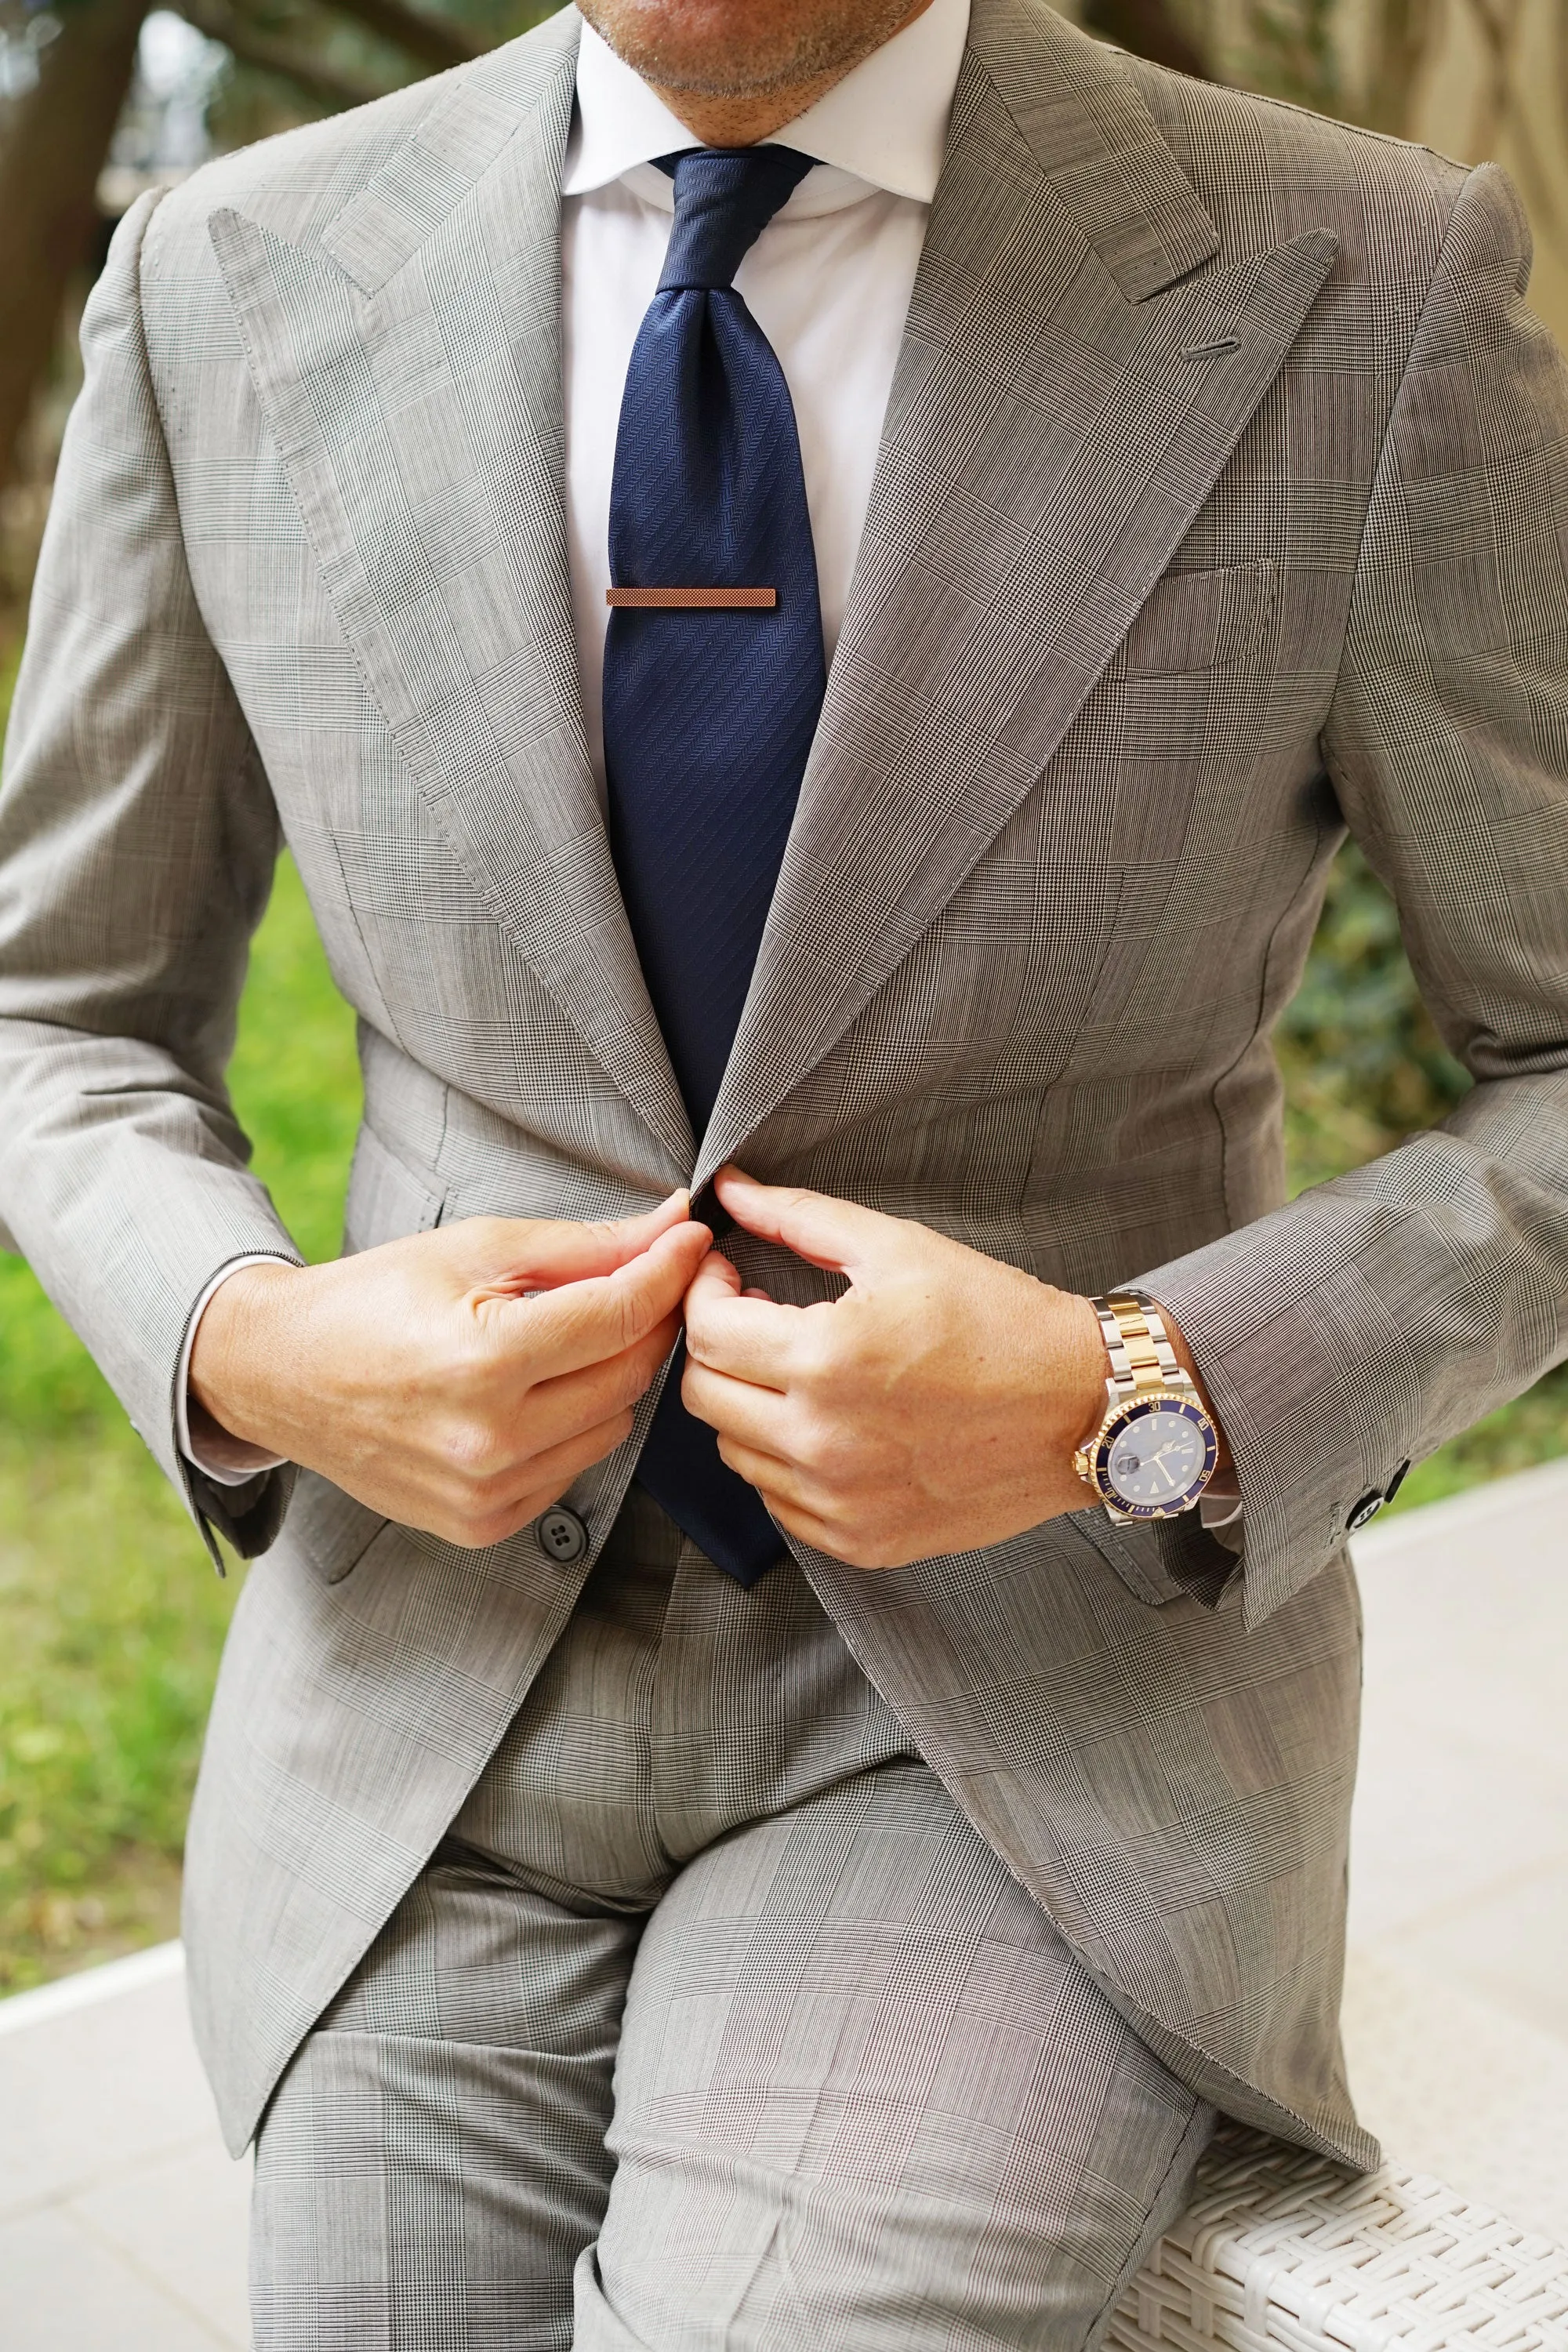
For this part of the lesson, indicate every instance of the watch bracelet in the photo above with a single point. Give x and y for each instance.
(1143, 1364)
(1137, 1343)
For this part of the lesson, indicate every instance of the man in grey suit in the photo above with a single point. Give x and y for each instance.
(604, 1948)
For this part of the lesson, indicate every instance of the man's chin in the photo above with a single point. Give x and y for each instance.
(731, 49)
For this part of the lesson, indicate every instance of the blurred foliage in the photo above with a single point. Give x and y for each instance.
(1364, 1068)
(252, 100)
(110, 1617)
(111, 1622)
(1364, 1065)
(1290, 48)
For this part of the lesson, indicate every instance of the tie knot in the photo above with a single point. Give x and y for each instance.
(724, 198)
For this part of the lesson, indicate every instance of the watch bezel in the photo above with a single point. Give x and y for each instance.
(1167, 1400)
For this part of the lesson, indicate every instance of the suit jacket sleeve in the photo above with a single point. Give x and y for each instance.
(1380, 1314)
(138, 840)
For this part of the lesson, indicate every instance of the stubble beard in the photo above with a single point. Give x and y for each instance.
(744, 52)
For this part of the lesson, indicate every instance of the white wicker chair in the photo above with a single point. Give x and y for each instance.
(1280, 2252)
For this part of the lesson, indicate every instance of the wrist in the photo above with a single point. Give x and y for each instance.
(1065, 1383)
(1083, 1371)
(236, 1341)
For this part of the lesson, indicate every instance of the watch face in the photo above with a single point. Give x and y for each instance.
(1156, 1458)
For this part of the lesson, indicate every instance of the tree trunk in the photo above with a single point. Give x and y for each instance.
(1149, 29)
(1402, 36)
(53, 142)
(436, 42)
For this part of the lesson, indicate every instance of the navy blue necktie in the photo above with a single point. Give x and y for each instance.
(709, 713)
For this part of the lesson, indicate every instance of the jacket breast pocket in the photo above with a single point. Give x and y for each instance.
(1175, 714)
(1193, 621)
(331, 1532)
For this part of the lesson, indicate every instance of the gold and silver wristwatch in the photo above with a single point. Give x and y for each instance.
(1156, 1448)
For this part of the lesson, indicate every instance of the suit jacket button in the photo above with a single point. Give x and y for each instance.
(1367, 1508)
(561, 1535)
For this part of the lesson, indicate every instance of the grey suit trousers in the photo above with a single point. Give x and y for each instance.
(712, 2023)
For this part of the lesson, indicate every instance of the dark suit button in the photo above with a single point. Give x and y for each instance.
(1395, 1482)
(561, 1535)
(1367, 1508)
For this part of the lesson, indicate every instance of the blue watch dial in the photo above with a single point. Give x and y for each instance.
(1157, 1458)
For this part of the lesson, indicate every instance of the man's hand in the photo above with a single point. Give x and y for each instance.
(423, 1378)
(933, 1408)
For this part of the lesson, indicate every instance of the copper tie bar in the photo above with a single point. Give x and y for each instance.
(688, 600)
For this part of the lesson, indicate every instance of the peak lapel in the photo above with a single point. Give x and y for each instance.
(1052, 432)
(408, 366)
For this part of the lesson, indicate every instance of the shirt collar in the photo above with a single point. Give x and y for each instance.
(885, 123)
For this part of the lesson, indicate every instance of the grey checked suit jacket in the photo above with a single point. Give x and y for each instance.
(1223, 500)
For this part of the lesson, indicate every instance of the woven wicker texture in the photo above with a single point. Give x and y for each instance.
(1279, 2252)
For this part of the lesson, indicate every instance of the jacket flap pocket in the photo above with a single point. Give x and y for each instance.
(1162, 1559)
(330, 1530)
(386, 1197)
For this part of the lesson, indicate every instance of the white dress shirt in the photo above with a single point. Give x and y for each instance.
(828, 281)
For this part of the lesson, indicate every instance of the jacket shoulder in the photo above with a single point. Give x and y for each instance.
(1194, 114)
(1265, 168)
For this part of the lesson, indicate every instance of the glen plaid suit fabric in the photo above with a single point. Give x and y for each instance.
(712, 2023)
(1222, 499)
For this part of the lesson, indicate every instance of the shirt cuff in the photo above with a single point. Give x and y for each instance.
(1221, 1498)
(226, 1461)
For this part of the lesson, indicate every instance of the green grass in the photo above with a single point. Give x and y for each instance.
(110, 1618)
